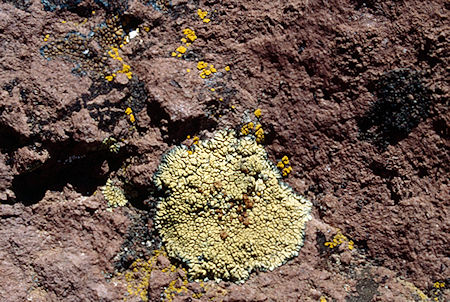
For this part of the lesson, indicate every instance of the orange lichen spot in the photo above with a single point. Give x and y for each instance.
(257, 113)
(128, 111)
(181, 49)
(227, 68)
(132, 119)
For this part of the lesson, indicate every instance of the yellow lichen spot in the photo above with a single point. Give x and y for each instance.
(257, 113)
(213, 89)
(146, 28)
(280, 165)
(217, 176)
(128, 111)
(183, 40)
(250, 125)
(201, 65)
(63, 21)
(233, 107)
(132, 119)
(201, 14)
(188, 44)
(179, 55)
(221, 99)
(125, 68)
(206, 20)
(351, 245)
(195, 140)
(322, 299)
(173, 54)
(202, 75)
(244, 130)
(109, 78)
(181, 49)
(188, 70)
(129, 75)
(227, 68)
(46, 37)
(285, 160)
(93, 12)
(190, 34)
(207, 72)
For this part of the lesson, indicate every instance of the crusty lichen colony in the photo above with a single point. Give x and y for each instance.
(225, 211)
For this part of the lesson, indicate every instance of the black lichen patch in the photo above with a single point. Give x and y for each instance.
(366, 289)
(91, 52)
(20, 4)
(140, 241)
(402, 103)
(159, 5)
(51, 5)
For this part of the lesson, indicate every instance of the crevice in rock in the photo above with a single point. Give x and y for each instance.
(78, 164)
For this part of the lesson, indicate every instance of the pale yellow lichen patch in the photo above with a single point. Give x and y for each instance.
(226, 211)
(114, 195)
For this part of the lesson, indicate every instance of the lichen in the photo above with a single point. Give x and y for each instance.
(114, 195)
(225, 211)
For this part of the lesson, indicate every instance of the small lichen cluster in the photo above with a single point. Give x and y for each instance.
(114, 195)
(226, 212)
(284, 166)
(187, 41)
(254, 128)
(91, 52)
(338, 239)
(138, 278)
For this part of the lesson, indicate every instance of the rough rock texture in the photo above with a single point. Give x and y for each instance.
(353, 92)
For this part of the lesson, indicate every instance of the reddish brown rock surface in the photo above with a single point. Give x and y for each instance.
(353, 92)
